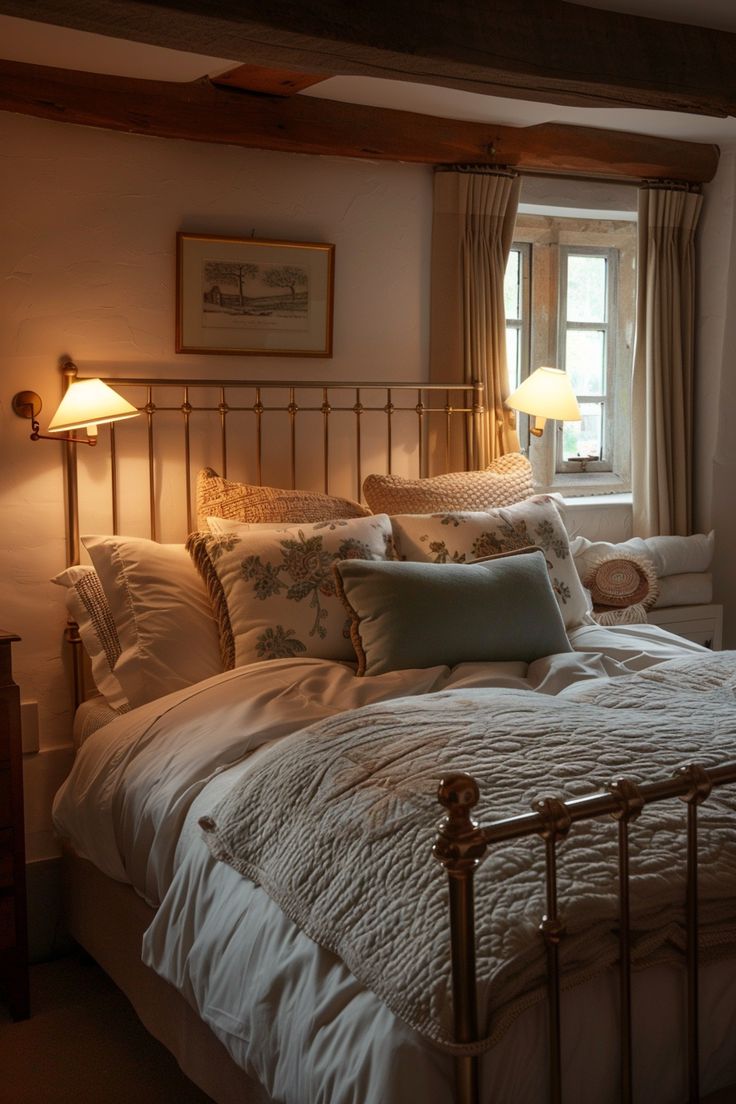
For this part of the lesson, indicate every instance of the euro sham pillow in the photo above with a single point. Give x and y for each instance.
(162, 613)
(409, 615)
(506, 480)
(248, 502)
(88, 607)
(273, 591)
(460, 537)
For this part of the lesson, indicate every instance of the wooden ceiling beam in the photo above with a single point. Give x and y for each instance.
(548, 50)
(201, 112)
(270, 82)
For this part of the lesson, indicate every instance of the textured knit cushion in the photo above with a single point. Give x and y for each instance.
(88, 607)
(162, 614)
(407, 615)
(456, 537)
(619, 581)
(505, 481)
(250, 503)
(273, 591)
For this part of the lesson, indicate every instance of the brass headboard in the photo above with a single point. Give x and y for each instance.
(311, 435)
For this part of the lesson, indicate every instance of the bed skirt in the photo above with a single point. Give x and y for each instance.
(107, 919)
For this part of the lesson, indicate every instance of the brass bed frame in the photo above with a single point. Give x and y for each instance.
(461, 845)
(435, 410)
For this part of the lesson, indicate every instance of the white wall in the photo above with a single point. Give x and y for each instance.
(88, 223)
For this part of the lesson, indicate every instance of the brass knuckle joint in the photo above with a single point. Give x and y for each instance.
(699, 779)
(552, 928)
(555, 817)
(629, 797)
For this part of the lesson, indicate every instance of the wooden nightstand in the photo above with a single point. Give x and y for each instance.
(13, 921)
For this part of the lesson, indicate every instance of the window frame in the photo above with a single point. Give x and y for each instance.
(610, 328)
(546, 233)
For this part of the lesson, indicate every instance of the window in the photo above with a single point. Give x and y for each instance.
(570, 301)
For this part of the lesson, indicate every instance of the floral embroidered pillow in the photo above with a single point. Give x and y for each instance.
(463, 537)
(273, 591)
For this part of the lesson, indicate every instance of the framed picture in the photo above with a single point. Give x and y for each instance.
(251, 297)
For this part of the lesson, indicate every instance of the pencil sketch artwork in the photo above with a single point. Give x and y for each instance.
(254, 296)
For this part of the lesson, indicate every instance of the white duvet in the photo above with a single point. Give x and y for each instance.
(288, 1011)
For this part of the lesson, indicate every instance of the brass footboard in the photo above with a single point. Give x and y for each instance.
(461, 846)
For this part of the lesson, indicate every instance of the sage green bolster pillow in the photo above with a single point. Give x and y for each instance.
(407, 615)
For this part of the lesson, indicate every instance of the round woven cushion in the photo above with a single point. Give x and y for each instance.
(616, 582)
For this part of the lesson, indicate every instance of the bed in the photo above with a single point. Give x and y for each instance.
(268, 989)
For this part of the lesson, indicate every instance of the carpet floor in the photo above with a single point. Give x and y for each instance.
(84, 1045)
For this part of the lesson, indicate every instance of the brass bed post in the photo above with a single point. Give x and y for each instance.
(150, 410)
(699, 790)
(358, 410)
(631, 803)
(460, 847)
(556, 821)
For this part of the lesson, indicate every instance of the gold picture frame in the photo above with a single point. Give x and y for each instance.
(253, 296)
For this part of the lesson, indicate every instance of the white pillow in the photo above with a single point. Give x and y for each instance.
(460, 537)
(274, 590)
(168, 634)
(87, 605)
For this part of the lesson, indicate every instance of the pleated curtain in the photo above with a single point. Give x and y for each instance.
(662, 395)
(472, 232)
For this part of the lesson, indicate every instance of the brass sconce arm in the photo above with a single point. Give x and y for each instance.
(27, 404)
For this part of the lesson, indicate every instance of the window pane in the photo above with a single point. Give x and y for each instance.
(584, 438)
(512, 356)
(586, 288)
(511, 284)
(585, 361)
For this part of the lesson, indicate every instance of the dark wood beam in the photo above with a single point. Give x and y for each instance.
(270, 82)
(201, 112)
(538, 49)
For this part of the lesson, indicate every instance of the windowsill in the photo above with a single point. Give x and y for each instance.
(599, 501)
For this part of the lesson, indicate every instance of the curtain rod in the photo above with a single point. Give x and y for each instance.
(627, 182)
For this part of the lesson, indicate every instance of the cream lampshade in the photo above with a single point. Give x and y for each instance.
(87, 404)
(546, 393)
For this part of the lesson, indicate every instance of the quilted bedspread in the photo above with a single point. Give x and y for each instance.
(338, 820)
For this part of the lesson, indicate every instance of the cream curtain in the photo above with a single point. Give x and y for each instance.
(662, 397)
(472, 232)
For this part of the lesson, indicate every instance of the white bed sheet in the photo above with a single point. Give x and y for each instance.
(288, 1011)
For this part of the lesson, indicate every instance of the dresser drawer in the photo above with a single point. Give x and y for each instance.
(6, 857)
(6, 812)
(7, 921)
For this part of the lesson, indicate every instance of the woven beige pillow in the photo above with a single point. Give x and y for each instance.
(218, 497)
(507, 480)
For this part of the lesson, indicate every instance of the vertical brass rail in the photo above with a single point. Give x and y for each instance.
(631, 803)
(460, 847)
(448, 428)
(358, 409)
(389, 409)
(420, 433)
(258, 410)
(556, 823)
(700, 788)
(326, 409)
(186, 409)
(114, 480)
(223, 409)
(293, 410)
(150, 410)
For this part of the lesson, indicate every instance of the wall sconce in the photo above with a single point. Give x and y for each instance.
(546, 393)
(86, 404)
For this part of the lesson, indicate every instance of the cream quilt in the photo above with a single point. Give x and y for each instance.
(337, 823)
